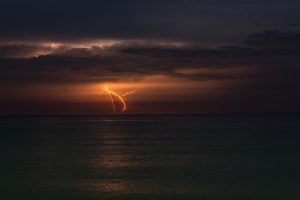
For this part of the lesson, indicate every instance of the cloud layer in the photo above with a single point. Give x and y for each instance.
(262, 53)
(209, 22)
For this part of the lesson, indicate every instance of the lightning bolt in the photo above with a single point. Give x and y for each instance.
(128, 93)
(111, 94)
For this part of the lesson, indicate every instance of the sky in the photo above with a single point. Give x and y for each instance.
(165, 57)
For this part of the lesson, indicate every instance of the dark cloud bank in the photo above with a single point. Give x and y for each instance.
(268, 53)
(202, 22)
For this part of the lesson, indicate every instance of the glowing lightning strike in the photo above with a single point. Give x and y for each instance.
(112, 94)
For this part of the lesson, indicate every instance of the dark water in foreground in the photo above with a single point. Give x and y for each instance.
(204, 157)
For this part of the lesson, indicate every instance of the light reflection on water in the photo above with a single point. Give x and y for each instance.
(115, 187)
(111, 156)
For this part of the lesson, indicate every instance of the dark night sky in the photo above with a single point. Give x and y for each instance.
(192, 56)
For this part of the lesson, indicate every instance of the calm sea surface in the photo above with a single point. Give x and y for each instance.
(178, 157)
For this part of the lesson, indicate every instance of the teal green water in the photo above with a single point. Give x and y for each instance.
(178, 157)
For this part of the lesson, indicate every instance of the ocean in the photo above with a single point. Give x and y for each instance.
(150, 157)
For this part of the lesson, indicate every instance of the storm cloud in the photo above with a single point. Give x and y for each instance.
(208, 22)
(261, 53)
